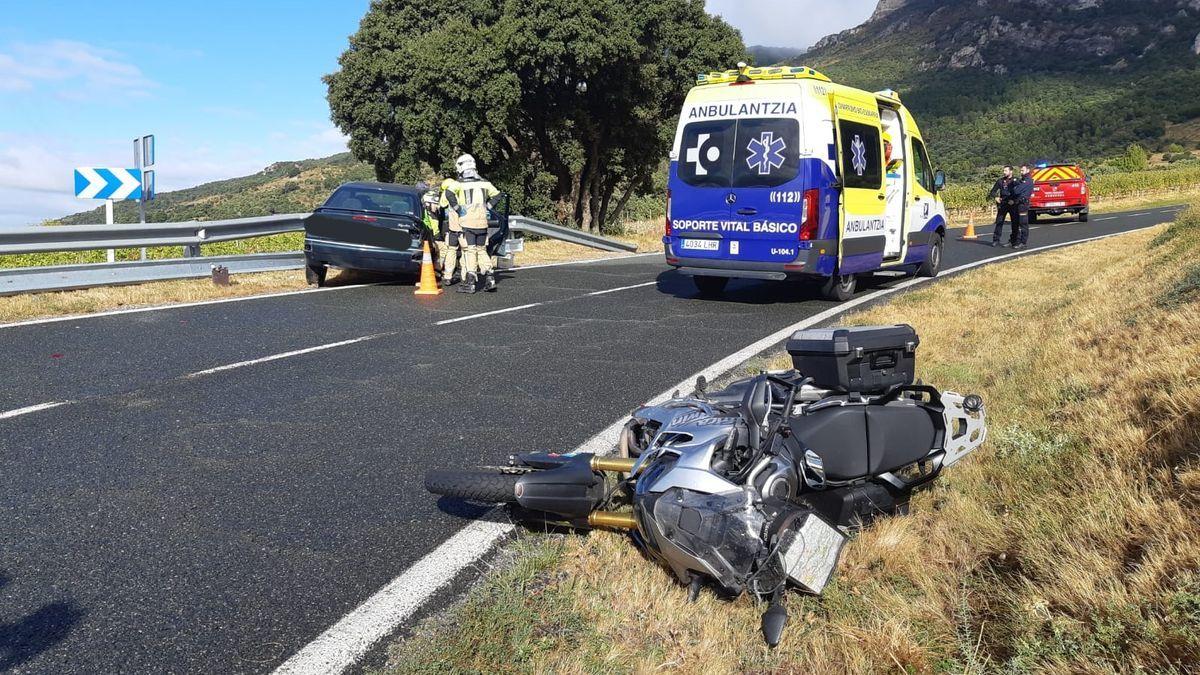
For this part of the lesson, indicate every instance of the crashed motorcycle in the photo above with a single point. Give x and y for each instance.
(754, 487)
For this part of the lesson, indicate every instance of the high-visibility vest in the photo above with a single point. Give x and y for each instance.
(472, 196)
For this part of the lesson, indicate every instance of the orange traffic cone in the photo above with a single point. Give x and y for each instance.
(429, 284)
(970, 233)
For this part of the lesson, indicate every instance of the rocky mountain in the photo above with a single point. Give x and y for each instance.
(1029, 78)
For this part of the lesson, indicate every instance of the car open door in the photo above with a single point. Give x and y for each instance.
(859, 141)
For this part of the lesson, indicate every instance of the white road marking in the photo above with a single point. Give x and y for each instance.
(31, 409)
(284, 355)
(491, 313)
(623, 288)
(347, 641)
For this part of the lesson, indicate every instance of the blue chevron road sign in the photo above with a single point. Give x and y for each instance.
(98, 183)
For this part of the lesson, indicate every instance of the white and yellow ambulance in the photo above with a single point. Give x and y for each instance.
(779, 172)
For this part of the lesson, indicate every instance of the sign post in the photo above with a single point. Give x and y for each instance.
(143, 158)
(110, 254)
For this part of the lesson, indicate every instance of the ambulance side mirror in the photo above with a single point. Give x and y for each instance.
(939, 181)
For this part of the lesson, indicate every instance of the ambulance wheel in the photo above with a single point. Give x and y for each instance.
(1033, 217)
(315, 275)
(840, 287)
(933, 263)
(710, 286)
(1083, 216)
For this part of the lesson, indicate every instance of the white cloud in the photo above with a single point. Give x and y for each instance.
(73, 70)
(790, 23)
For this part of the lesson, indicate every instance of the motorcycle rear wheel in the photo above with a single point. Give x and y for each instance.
(477, 486)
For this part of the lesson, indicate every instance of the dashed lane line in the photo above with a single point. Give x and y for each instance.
(31, 409)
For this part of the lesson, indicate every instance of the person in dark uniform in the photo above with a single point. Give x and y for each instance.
(1022, 192)
(1006, 206)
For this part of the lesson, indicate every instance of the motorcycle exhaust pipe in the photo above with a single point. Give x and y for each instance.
(612, 520)
(618, 464)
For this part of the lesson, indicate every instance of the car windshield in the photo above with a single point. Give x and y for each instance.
(354, 198)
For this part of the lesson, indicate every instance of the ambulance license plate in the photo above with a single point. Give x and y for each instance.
(1056, 203)
(701, 244)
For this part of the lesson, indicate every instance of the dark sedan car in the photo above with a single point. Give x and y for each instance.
(365, 226)
(377, 227)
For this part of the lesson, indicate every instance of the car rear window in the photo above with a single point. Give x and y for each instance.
(761, 152)
(354, 198)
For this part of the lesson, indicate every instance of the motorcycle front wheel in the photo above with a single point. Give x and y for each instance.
(475, 485)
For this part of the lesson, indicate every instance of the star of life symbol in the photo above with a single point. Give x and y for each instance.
(860, 156)
(692, 156)
(766, 153)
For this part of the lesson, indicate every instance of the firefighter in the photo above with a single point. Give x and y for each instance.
(433, 224)
(1006, 207)
(453, 244)
(471, 196)
(1022, 192)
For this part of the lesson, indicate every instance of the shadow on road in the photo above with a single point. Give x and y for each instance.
(754, 292)
(22, 640)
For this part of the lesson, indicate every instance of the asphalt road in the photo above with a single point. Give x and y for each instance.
(167, 516)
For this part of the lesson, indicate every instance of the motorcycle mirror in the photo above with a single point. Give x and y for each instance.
(774, 620)
(759, 403)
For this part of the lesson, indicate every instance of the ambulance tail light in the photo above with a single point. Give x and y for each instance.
(667, 222)
(811, 216)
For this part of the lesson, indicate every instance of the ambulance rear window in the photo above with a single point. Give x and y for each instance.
(745, 153)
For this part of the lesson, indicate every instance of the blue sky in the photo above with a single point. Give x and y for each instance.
(226, 87)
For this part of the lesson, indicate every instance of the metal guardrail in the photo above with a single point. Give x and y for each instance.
(568, 234)
(43, 239)
(69, 277)
(190, 235)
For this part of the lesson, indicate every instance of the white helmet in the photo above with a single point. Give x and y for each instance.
(465, 165)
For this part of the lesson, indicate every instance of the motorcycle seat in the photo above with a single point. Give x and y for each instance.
(858, 440)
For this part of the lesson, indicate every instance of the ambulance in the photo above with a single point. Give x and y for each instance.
(779, 173)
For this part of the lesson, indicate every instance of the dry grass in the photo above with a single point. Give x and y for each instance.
(1069, 543)
(647, 235)
(90, 300)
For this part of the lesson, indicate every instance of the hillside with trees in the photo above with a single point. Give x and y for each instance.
(998, 81)
(570, 105)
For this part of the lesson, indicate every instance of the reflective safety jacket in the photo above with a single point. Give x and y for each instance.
(470, 199)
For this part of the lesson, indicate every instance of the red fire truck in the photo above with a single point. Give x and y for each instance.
(1059, 189)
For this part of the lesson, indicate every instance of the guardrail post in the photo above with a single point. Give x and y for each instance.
(191, 251)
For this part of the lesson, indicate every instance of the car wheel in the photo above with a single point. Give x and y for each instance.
(840, 287)
(710, 286)
(1083, 216)
(315, 274)
(933, 263)
(1033, 217)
